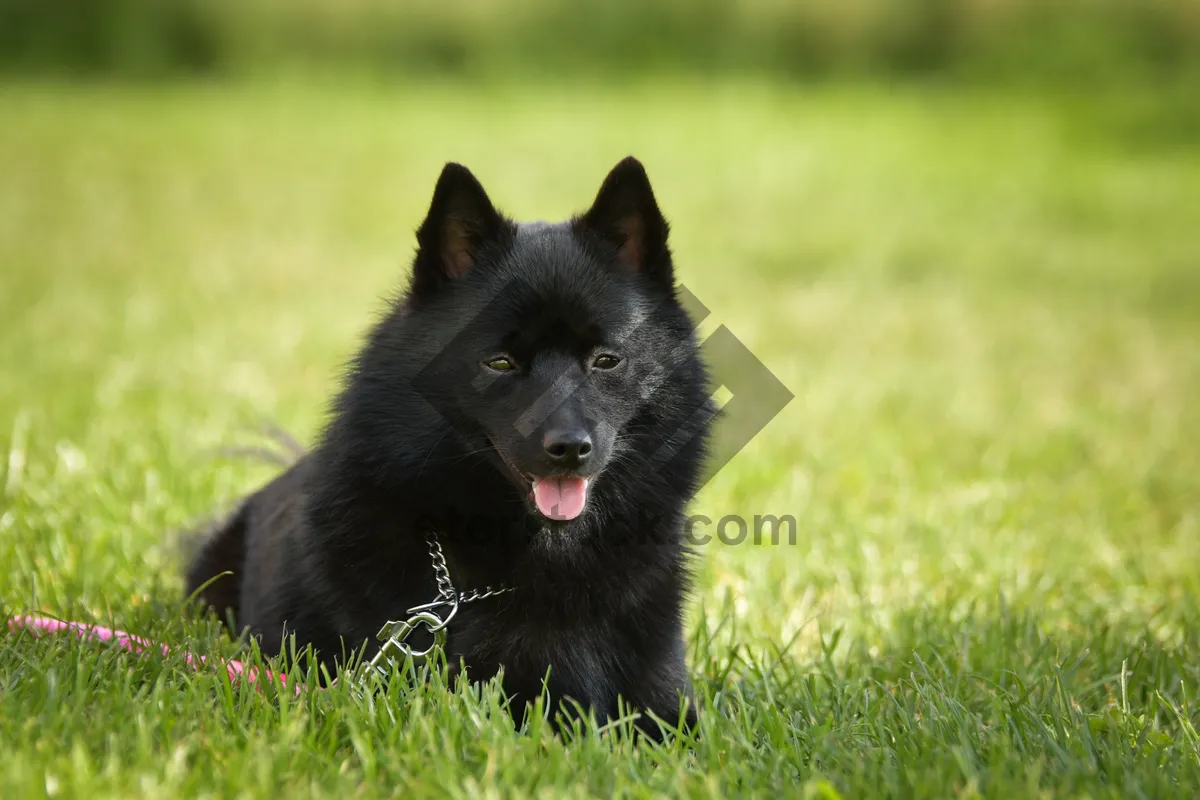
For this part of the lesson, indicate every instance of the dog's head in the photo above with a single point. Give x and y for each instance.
(551, 344)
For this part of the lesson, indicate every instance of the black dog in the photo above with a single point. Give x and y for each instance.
(534, 408)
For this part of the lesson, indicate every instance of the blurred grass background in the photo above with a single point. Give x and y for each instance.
(963, 232)
(1062, 40)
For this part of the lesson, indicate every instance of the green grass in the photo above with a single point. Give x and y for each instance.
(987, 306)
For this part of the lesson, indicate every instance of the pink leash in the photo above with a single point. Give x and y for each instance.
(136, 644)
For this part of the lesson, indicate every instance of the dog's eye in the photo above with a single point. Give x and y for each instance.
(606, 361)
(501, 364)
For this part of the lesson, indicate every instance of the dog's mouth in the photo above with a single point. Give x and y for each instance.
(556, 497)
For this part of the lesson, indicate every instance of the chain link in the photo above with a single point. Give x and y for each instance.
(446, 586)
(394, 634)
(440, 571)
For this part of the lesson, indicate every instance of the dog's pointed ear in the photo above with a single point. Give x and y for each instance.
(460, 221)
(626, 215)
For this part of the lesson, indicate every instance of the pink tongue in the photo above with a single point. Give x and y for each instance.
(560, 498)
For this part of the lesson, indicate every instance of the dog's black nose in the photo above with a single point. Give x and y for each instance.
(568, 448)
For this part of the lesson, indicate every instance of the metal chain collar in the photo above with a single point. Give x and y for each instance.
(394, 634)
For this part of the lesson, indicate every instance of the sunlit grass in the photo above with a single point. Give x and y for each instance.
(986, 307)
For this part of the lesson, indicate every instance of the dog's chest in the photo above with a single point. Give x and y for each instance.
(581, 660)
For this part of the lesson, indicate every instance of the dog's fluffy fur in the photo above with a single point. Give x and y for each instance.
(509, 338)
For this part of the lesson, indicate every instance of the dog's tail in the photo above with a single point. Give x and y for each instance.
(215, 565)
(214, 550)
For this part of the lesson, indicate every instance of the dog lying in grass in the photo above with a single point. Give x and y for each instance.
(517, 439)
